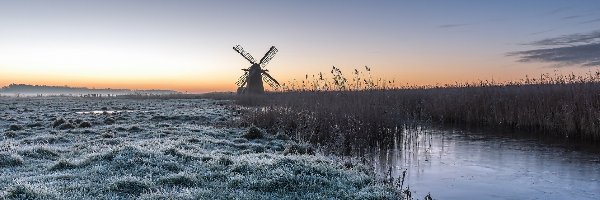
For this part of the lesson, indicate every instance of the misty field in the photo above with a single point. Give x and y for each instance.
(84, 148)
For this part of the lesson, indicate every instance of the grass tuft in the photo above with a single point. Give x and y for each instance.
(26, 191)
(179, 180)
(10, 160)
(85, 124)
(178, 154)
(36, 124)
(225, 161)
(135, 128)
(62, 165)
(58, 122)
(40, 153)
(299, 149)
(282, 136)
(172, 166)
(15, 127)
(130, 186)
(10, 134)
(65, 126)
(109, 121)
(107, 134)
(253, 133)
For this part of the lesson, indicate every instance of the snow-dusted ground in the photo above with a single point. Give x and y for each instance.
(74, 148)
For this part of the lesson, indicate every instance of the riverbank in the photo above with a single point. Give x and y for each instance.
(569, 111)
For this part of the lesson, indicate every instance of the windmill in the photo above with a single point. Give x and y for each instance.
(252, 80)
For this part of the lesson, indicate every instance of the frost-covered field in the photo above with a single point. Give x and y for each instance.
(59, 148)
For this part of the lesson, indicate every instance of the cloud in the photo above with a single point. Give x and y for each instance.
(569, 50)
(573, 39)
(556, 11)
(590, 21)
(452, 25)
(544, 31)
(584, 55)
(572, 17)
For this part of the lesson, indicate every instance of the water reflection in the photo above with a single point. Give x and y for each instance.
(471, 165)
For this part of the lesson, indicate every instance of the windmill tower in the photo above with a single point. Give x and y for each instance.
(251, 82)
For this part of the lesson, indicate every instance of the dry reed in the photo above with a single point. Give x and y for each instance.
(337, 112)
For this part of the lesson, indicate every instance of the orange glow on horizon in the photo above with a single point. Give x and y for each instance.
(221, 82)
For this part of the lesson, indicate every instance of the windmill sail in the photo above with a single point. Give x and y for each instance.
(242, 80)
(268, 56)
(245, 54)
(270, 80)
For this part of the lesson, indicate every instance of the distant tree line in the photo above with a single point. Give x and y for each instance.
(54, 90)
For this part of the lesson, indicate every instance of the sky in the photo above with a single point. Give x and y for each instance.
(187, 45)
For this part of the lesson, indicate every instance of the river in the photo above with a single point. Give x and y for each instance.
(459, 164)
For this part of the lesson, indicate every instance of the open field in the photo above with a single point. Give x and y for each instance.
(77, 148)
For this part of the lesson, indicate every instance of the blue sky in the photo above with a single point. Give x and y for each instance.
(186, 45)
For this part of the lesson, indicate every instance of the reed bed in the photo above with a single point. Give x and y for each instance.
(336, 112)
